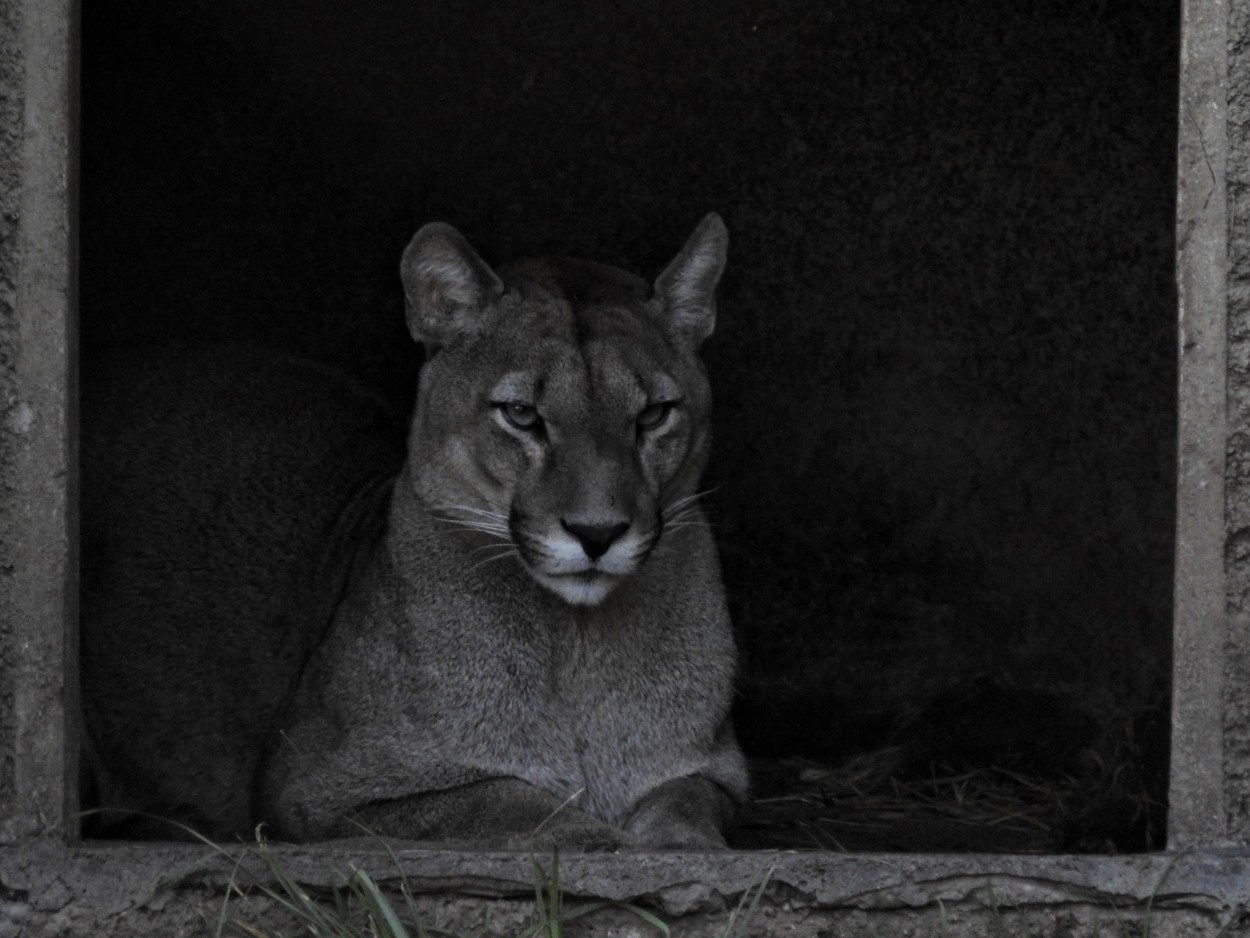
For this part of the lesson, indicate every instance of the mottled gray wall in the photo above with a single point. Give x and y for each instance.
(1196, 813)
(37, 588)
(1237, 476)
(10, 148)
(10, 166)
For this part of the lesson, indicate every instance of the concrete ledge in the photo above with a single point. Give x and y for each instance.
(47, 889)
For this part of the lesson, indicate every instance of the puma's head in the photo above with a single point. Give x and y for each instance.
(563, 408)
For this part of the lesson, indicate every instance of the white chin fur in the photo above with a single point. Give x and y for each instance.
(588, 589)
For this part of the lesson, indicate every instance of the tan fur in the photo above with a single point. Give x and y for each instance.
(519, 638)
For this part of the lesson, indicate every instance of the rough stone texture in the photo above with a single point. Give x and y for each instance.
(1237, 475)
(36, 419)
(1197, 784)
(10, 146)
(179, 890)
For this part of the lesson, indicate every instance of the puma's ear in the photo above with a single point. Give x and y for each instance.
(447, 285)
(687, 288)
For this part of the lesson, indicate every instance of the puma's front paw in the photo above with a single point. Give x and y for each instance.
(685, 813)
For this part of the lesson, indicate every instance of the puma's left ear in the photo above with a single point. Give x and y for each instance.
(687, 287)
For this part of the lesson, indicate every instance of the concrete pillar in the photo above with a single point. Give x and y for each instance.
(1236, 671)
(1196, 802)
(37, 288)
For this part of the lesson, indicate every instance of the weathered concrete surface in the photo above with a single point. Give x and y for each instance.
(1197, 814)
(1236, 709)
(36, 420)
(46, 890)
(10, 145)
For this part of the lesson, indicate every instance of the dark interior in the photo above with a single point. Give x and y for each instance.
(944, 364)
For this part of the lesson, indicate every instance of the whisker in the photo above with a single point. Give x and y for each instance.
(495, 535)
(496, 549)
(683, 503)
(499, 556)
(687, 516)
(476, 526)
(490, 527)
(674, 525)
(452, 519)
(473, 511)
(683, 513)
(679, 506)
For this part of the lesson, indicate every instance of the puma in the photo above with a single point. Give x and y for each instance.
(512, 632)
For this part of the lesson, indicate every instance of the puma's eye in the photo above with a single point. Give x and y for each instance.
(521, 416)
(654, 414)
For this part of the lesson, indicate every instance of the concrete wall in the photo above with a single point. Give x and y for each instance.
(10, 144)
(48, 888)
(1196, 813)
(1237, 474)
(37, 587)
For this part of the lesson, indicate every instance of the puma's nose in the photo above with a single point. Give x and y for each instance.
(595, 538)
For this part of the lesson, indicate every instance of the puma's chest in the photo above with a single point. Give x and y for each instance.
(605, 709)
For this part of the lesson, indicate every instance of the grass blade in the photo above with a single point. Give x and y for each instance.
(377, 906)
(740, 921)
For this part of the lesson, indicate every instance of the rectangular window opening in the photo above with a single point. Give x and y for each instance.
(943, 473)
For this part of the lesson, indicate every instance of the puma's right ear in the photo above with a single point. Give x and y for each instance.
(446, 284)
